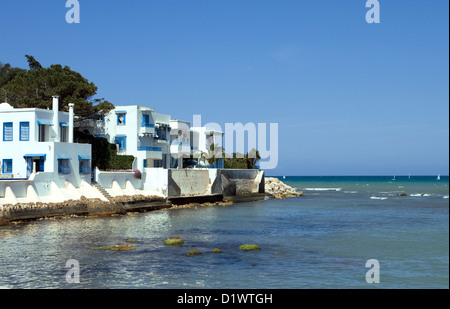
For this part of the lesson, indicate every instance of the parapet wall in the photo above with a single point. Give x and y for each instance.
(156, 182)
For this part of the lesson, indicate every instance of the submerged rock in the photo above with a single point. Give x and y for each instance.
(122, 247)
(193, 252)
(132, 240)
(217, 251)
(102, 248)
(249, 247)
(118, 247)
(174, 241)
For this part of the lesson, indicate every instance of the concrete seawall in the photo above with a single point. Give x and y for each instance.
(122, 192)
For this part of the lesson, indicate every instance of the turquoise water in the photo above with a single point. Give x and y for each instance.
(321, 240)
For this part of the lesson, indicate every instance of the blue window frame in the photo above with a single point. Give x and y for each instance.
(7, 167)
(146, 121)
(122, 142)
(64, 166)
(24, 131)
(121, 119)
(85, 166)
(7, 131)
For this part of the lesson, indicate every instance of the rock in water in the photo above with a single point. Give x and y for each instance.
(193, 252)
(122, 247)
(174, 241)
(248, 247)
(131, 240)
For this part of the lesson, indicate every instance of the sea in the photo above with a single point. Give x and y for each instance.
(371, 232)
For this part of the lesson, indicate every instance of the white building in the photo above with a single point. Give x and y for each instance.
(39, 140)
(137, 131)
(180, 142)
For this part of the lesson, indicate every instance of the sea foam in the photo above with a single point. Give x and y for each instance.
(322, 189)
(378, 198)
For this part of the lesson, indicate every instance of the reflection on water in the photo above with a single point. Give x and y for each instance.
(307, 242)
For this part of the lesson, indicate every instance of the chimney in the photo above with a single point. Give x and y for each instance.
(71, 115)
(56, 117)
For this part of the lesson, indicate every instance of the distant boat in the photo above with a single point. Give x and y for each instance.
(439, 177)
(393, 178)
(284, 177)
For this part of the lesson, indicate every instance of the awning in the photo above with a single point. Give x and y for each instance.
(63, 157)
(35, 155)
(84, 157)
(45, 123)
(63, 124)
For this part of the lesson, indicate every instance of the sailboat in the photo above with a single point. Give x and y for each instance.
(439, 177)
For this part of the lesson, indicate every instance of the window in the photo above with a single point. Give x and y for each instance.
(85, 166)
(63, 134)
(146, 121)
(63, 166)
(122, 142)
(157, 163)
(145, 163)
(41, 133)
(7, 131)
(24, 131)
(162, 133)
(7, 166)
(121, 119)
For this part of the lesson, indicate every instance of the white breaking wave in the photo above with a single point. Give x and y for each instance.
(420, 194)
(445, 196)
(352, 192)
(322, 189)
(378, 198)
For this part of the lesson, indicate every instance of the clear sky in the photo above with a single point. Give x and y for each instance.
(350, 98)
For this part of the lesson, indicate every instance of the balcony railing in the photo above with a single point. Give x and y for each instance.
(147, 148)
(148, 125)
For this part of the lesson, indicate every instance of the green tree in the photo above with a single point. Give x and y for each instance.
(7, 73)
(36, 87)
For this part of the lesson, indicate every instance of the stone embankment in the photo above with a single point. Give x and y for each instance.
(82, 207)
(279, 189)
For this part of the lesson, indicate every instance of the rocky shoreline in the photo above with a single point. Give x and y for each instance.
(121, 205)
(279, 189)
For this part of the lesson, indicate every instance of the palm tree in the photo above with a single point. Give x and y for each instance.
(213, 154)
(252, 158)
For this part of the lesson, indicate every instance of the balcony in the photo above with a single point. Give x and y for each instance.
(150, 129)
(151, 152)
(148, 148)
(180, 148)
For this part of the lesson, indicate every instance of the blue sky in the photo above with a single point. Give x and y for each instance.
(350, 98)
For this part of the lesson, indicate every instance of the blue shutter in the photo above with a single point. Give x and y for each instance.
(24, 131)
(7, 131)
(7, 166)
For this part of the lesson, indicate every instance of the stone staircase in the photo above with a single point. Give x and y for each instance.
(102, 190)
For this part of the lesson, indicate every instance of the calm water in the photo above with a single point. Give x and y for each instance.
(321, 240)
